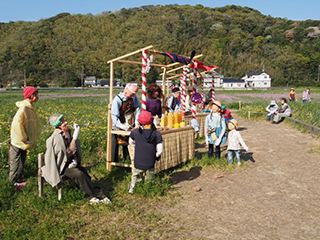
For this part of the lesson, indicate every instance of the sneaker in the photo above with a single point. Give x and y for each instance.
(94, 200)
(274, 122)
(131, 189)
(19, 185)
(105, 200)
(239, 163)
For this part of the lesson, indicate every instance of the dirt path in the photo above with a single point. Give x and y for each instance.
(276, 197)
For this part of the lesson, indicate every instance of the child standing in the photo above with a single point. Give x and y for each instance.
(25, 130)
(148, 148)
(234, 141)
(215, 128)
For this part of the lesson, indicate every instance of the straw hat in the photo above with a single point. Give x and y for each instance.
(217, 103)
(234, 123)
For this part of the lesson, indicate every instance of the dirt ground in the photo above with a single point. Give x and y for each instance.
(276, 197)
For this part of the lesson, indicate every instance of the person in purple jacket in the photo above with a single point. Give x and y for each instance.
(153, 102)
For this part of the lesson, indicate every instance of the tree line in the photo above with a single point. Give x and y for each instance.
(58, 50)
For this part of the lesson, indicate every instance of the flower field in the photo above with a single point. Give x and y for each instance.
(91, 111)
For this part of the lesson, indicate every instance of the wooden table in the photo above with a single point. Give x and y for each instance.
(178, 147)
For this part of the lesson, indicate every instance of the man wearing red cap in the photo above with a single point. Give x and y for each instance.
(25, 130)
(148, 148)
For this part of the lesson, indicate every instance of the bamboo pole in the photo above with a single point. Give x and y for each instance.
(140, 63)
(173, 77)
(109, 141)
(163, 89)
(129, 54)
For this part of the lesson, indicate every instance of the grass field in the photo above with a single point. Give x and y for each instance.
(25, 216)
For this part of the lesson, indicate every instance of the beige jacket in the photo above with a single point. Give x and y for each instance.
(25, 127)
(56, 157)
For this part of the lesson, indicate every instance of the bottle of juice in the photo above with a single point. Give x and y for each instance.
(163, 120)
(180, 117)
(175, 117)
(170, 120)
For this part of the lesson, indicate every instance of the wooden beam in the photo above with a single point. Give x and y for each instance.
(173, 64)
(140, 63)
(129, 54)
(109, 135)
(175, 69)
(198, 56)
(171, 74)
(173, 77)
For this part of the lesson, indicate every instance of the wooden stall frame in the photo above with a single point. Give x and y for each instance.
(121, 60)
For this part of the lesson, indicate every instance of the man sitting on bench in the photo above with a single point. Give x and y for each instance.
(63, 158)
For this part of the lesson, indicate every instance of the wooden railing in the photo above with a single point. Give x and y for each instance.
(311, 128)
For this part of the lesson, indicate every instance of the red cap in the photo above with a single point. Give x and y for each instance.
(145, 118)
(28, 91)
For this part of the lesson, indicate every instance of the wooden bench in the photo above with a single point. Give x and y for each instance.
(40, 178)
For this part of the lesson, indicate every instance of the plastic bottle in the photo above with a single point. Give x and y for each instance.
(170, 120)
(163, 122)
(175, 117)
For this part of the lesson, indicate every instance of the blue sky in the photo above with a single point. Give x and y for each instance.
(34, 10)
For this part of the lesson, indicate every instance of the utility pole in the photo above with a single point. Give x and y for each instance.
(11, 78)
(25, 77)
(82, 73)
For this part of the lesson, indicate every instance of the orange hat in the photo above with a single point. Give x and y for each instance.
(145, 118)
(28, 91)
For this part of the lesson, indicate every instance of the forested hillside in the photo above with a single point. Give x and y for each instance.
(237, 39)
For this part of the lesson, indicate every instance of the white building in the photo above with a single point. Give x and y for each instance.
(231, 83)
(207, 81)
(159, 82)
(257, 80)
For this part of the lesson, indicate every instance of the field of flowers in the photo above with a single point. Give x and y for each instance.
(91, 111)
(72, 217)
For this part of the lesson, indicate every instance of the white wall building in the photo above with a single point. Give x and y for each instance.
(231, 83)
(159, 82)
(257, 80)
(207, 81)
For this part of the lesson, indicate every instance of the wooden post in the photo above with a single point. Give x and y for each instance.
(40, 179)
(249, 115)
(239, 105)
(109, 141)
(164, 89)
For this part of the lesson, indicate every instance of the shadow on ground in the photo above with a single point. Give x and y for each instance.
(181, 176)
(247, 156)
